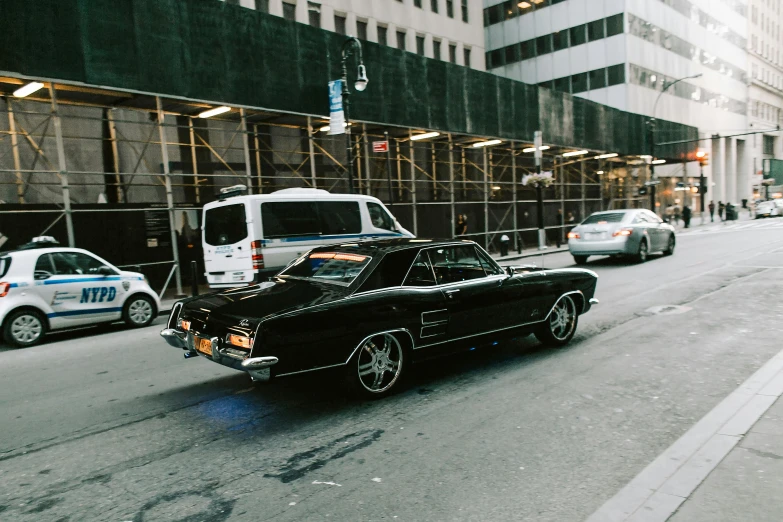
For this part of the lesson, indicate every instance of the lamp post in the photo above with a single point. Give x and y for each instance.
(351, 44)
(651, 131)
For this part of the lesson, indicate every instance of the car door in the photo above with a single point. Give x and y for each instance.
(474, 299)
(81, 294)
(429, 300)
(657, 231)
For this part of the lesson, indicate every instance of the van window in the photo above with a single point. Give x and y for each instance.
(379, 217)
(289, 218)
(340, 217)
(225, 225)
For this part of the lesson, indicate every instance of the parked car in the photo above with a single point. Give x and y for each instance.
(373, 308)
(44, 288)
(633, 232)
(248, 238)
(769, 208)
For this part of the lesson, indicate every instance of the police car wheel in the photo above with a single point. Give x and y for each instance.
(139, 311)
(24, 328)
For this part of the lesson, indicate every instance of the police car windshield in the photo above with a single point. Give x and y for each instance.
(328, 267)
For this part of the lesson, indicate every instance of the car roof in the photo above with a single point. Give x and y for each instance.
(390, 245)
(35, 252)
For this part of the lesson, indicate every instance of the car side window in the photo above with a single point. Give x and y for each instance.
(652, 218)
(379, 217)
(43, 267)
(421, 273)
(639, 219)
(456, 264)
(75, 263)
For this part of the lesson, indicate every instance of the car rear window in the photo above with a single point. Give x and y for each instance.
(609, 217)
(5, 264)
(340, 268)
(225, 225)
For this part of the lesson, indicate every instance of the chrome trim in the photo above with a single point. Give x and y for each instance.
(593, 301)
(310, 370)
(413, 344)
(562, 296)
(175, 338)
(256, 363)
(423, 322)
(175, 312)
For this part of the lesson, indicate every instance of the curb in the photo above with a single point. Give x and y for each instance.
(531, 254)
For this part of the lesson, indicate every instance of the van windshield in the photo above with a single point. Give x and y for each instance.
(225, 225)
(340, 268)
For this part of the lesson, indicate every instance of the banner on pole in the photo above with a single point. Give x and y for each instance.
(380, 146)
(336, 114)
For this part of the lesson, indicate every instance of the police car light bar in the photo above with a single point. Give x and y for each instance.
(232, 191)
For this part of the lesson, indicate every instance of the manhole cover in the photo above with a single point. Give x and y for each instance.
(667, 310)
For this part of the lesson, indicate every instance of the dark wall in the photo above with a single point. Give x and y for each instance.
(209, 50)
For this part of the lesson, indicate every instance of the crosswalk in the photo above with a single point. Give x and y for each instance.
(733, 226)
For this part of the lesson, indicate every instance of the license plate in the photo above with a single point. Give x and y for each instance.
(204, 346)
(595, 235)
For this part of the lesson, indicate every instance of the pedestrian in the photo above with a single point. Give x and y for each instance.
(712, 211)
(560, 224)
(721, 208)
(461, 228)
(686, 216)
(676, 214)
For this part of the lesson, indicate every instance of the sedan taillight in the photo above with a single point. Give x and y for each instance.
(258, 257)
(4, 288)
(623, 232)
(573, 235)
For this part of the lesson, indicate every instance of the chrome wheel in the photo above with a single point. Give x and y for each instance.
(643, 251)
(140, 312)
(26, 329)
(379, 363)
(562, 320)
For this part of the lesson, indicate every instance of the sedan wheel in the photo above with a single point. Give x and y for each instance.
(24, 328)
(560, 327)
(641, 256)
(379, 365)
(670, 247)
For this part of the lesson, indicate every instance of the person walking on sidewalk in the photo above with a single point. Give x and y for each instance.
(721, 208)
(711, 206)
(559, 231)
(686, 216)
(461, 228)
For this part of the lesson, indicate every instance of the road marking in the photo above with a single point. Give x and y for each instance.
(659, 490)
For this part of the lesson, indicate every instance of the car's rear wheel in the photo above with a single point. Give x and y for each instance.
(139, 311)
(580, 260)
(669, 246)
(378, 365)
(644, 251)
(560, 326)
(24, 328)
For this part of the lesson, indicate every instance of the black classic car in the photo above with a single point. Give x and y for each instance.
(375, 307)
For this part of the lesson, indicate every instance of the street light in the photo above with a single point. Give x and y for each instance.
(651, 122)
(351, 44)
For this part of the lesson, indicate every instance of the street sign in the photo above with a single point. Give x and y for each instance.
(336, 113)
(380, 146)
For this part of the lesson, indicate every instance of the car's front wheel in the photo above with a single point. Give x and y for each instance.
(139, 311)
(643, 252)
(24, 328)
(560, 326)
(580, 260)
(669, 246)
(378, 365)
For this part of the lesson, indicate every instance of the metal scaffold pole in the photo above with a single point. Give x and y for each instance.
(246, 147)
(164, 151)
(514, 196)
(486, 199)
(413, 186)
(311, 150)
(58, 134)
(451, 184)
(15, 151)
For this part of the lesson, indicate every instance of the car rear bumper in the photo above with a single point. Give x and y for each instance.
(580, 247)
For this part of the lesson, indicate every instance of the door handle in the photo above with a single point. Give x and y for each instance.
(450, 293)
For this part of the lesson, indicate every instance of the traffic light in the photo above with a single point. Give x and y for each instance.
(703, 158)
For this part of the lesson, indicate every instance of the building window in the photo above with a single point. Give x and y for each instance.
(466, 56)
(595, 30)
(450, 8)
(420, 45)
(434, 5)
(528, 49)
(314, 14)
(417, 3)
(563, 84)
(465, 17)
(361, 29)
(614, 25)
(579, 83)
(289, 11)
(560, 39)
(339, 24)
(597, 79)
(496, 59)
(401, 40)
(262, 5)
(769, 145)
(616, 74)
(512, 54)
(232, 2)
(452, 53)
(544, 44)
(383, 33)
(436, 49)
(578, 35)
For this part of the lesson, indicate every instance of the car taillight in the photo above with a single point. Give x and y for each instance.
(4, 288)
(573, 235)
(240, 340)
(258, 257)
(185, 325)
(623, 232)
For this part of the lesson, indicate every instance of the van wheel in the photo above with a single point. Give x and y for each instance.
(139, 311)
(24, 328)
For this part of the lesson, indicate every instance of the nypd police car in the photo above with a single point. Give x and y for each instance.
(44, 288)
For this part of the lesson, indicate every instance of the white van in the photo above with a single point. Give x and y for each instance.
(249, 237)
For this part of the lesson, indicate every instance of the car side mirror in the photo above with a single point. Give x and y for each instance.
(105, 271)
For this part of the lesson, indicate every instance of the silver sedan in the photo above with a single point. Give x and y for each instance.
(632, 232)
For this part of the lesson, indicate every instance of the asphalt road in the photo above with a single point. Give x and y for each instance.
(115, 425)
